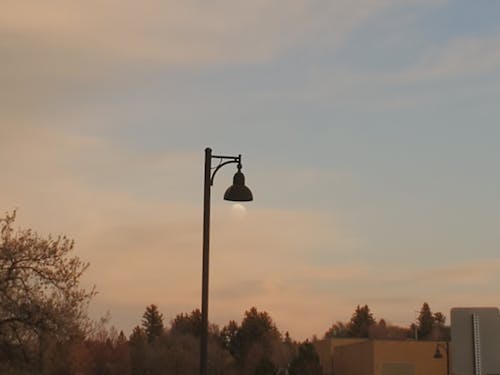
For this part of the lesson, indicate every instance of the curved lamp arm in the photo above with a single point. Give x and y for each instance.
(230, 160)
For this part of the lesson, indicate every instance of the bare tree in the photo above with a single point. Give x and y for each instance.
(41, 300)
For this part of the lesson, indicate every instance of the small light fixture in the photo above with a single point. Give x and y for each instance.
(238, 191)
(437, 354)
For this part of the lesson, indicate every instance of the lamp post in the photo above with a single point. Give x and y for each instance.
(237, 192)
(438, 355)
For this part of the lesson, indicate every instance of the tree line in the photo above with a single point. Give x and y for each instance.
(255, 346)
(428, 326)
(45, 328)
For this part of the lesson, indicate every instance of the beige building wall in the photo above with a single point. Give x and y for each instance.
(326, 348)
(407, 357)
(386, 357)
(354, 359)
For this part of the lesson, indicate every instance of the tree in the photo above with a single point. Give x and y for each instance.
(41, 299)
(361, 322)
(152, 322)
(441, 330)
(431, 326)
(439, 319)
(229, 338)
(253, 343)
(306, 362)
(266, 367)
(425, 322)
(338, 329)
(384, 330)
(257, 328)
(138, 349)
(187, 324)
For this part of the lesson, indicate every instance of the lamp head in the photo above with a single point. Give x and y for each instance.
(238, 191)
(437, 354)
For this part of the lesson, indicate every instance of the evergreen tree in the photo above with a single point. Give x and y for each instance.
(187, 324)
(138, 351)
(256, 328)
(253, 343)
(361, 322)
(229, 338)
(152, 322)
(266, 367)
(425, 322)
(306, 362)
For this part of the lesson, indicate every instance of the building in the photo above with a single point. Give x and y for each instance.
(475, 332)
(388, 357)
(326, 349)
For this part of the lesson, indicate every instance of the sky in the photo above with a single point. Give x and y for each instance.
(369, 132)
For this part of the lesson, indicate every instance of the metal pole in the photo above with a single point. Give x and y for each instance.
(206, 253)
(447, 358)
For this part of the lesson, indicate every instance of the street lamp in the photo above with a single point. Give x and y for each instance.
(237, 192)
(438, 355)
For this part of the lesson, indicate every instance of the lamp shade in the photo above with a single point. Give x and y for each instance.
(238, 192)
(437, 354)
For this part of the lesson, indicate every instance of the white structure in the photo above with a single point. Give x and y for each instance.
(475, 341)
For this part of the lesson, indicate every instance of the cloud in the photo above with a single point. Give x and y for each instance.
(454, 275)
(144, 240)
(136, 216)
(58, 43)
(442, 286)
(460, 57)
(179, 32)
(158, 260)
(55, 52)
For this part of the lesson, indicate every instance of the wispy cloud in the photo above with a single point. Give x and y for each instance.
(135, 213)
(181, 32)
(144, 246)
(461, 57)
(53, 48)
(59, 43)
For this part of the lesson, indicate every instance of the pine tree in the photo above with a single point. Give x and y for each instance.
(361, 321)
(306, 362)
(425, 322)
(187, 324)
(152, 321)
(257, 328)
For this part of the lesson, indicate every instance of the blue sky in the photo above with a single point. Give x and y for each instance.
(369, 133)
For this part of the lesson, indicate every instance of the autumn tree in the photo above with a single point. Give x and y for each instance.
(152, 322)
(361, 321)
(42, 302)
